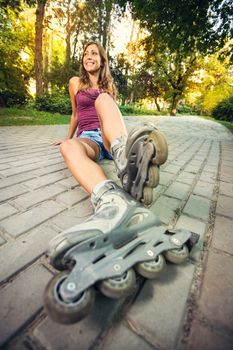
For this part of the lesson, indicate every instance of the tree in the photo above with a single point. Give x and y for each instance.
(212, 84)
(202, 26)
(179, 33)
(16, 53)
(40, 10)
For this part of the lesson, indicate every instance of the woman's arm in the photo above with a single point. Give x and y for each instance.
(73, 88)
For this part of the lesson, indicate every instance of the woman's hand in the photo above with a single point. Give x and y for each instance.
(57, 142)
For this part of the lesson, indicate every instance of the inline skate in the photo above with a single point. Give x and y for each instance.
(137, 159)
(120, 239)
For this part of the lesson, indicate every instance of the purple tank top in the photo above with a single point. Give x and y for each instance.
(86, 112)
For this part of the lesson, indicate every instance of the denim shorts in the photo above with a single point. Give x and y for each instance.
(95, 135)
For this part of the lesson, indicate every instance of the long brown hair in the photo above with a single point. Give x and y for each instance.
(105, 80)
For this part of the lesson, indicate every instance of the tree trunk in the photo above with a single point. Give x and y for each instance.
(68, 34)
(156, 103)
(38, 46)
(175, 101)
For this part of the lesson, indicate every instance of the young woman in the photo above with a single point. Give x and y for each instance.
(102, 133)
(118, 218)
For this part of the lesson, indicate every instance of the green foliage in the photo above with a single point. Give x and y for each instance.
(16, 51)
(186, 109)
(199, 26)
(224, 110)
(135, 110)
(61, 73)
(12, 98)
(213, 97)
(55, 102)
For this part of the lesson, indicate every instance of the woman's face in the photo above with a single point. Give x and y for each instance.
(91, 59)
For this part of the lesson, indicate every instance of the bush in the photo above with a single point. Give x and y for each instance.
(134, 109)
(186, 109)
(224, 110)
(12, 98)
(55, 102)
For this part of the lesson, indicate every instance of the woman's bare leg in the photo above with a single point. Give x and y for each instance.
(80, 157)
(112, 123)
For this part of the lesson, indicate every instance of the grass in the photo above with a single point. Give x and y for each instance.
(30, 116)
(228, 125)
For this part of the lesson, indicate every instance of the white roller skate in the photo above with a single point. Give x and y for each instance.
(137, 159)
(121, 238)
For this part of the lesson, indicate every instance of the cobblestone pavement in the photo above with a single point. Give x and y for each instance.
(189, 307)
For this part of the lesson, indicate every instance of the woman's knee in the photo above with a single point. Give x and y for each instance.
(103, 98)
(67, 147)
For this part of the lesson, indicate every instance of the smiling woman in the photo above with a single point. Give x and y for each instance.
(100, 132)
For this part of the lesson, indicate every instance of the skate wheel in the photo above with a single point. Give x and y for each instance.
(118, 287)
(177, 256)
(153, 176)
(161, 147)
(66, 312)
(147, 195)
(151, 269)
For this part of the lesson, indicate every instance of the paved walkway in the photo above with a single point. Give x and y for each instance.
(189, 307)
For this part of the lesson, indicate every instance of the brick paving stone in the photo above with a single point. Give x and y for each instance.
(193, 169)
(172, 168)
(11, 192)
(2, 241)
(6, 210)
(226, 174)
(158, 312)
(225, 169)
(19, 253)
(121, 337)
(157, 191)
(198, 207)
(177, 190)
(208, 177)
(13, 180)
(204, 189)
(81, 335)
(45, 180)
(50, 169)
(4, 166)
(165, 178)
(18, 224)
(225, 206)
(165, 208)
(191, 224)
(68, 183)
(203, 337)
(19, 170)
(42, 194)
(73, 216)
(223, 234)
(226, 188)
(72, 197)
(186, 178)
(216, 299)
(21, 300)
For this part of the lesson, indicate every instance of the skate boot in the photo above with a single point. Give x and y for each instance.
(121, 238)
(137, 159)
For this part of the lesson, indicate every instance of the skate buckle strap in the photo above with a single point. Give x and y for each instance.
(96, 195)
